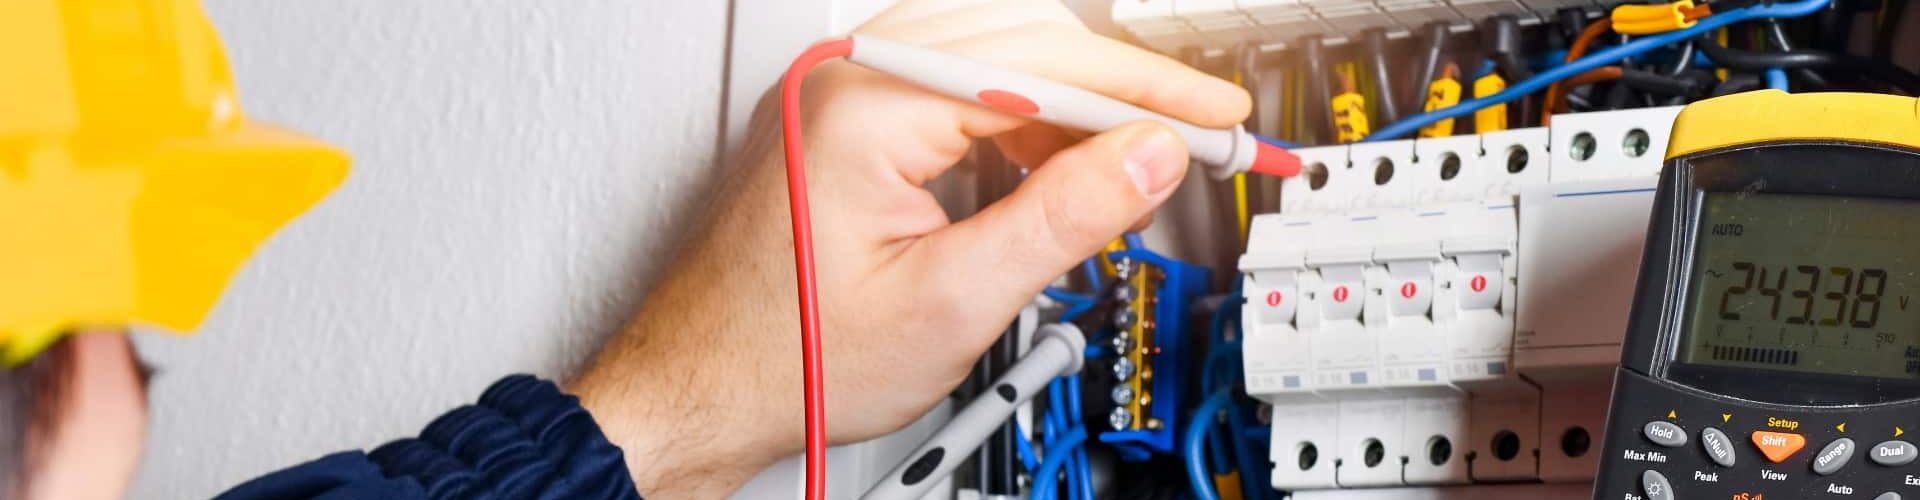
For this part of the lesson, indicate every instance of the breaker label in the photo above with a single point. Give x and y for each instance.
(1646, 456)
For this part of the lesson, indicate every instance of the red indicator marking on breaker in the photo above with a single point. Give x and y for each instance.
(1408, 289)
(1340, 294)
(1273, 298)
(1478, 283)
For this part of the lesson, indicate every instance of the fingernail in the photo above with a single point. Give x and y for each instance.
(1154, 162)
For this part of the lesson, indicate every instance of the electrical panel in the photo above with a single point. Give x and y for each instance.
(1447, 311)
(1435, 307)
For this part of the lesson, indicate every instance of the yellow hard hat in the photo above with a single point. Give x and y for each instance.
(131, 185)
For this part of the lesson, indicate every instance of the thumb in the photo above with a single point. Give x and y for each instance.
(1070, 207)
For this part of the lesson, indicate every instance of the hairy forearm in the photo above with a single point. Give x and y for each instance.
(670, 389)
(682, 435)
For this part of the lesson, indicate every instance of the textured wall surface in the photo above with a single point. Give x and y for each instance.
(520, 169)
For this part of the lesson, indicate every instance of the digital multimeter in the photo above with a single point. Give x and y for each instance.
(1774, 347)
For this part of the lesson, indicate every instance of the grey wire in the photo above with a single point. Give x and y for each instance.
(1686, 60)
(1777, 34)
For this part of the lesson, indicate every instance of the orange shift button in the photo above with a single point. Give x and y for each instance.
(1777, 446)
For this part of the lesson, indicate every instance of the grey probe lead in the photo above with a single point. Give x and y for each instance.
(1059, 351)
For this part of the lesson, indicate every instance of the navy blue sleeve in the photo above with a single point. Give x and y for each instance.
(524, 439)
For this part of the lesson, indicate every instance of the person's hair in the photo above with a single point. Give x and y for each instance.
(19, 387)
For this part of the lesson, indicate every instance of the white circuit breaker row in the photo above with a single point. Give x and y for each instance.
(1445, 311)
(1169, 25)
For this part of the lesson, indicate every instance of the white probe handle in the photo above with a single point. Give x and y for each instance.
(1224, 151)
(1059, 352)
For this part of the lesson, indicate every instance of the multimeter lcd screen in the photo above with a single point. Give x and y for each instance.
(1802, 283)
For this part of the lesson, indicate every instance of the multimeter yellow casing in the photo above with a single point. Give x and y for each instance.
(1774, 346)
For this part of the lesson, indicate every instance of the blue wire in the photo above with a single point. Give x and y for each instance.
(1242, 456)
(1070, 298)
(1612, 54)
(1777, 79)
(1196, 438)
(1079, 474)
(1025, 445)
(1218, 360)
(1057, 455)
(1133, 241)
(1092, 272)
(1486, 68)
(1275, 142)
(1057, 418)
(1076, 304)
(1050, 436)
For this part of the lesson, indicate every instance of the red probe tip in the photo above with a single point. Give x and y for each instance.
(1272, 160)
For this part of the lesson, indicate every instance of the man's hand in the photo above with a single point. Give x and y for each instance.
(703, 389)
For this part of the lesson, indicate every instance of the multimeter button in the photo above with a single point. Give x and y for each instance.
(1777, 446)
(1833, 457)
(1666, 434)
(1888, 496)
(1718, 446)
(1893, 453)
(1656, 485)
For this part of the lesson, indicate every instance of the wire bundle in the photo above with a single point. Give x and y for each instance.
(1604, 57)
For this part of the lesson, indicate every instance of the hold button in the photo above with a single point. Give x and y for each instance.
(1665, 434)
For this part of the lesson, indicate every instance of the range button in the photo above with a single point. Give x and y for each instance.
(1833, 457)
(1893, 453)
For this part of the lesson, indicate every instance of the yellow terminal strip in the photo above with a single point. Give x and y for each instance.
(1650, 19)
(1492, 118)
(1443, 93)
(1142, 279)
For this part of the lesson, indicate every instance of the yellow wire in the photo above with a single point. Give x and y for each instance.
(1721, 73)
(1106, 265)
(1240, 185)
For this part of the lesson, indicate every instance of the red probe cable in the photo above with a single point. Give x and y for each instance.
(816, 405)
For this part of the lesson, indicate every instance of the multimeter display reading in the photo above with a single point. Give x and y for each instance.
(1802, 283)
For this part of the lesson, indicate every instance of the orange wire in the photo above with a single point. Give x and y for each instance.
(1597, 75)
(1579, 47)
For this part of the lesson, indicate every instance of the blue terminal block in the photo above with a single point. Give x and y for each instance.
(1151, 353)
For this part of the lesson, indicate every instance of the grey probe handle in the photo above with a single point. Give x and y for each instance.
(1060, 351)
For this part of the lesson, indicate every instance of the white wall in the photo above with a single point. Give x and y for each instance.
(519, 168)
